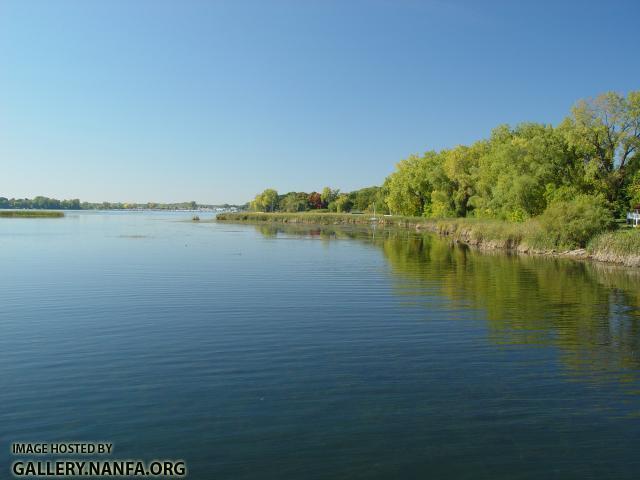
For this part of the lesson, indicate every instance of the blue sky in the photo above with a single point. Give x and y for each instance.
(213, 101)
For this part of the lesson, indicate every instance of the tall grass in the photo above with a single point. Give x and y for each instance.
(533, 236)
(479, 232)
(622, 246)
(319, 218)
(30, 214)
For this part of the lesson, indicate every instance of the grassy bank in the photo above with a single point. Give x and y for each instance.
(30, 214)
(481, 233)
(622, 246)
(319, 218)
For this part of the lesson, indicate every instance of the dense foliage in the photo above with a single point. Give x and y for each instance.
(573, 222)
(40, 203)
(575, 176)
(519, 172)
(365, 199)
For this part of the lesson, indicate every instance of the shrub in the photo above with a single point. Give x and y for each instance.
(571, 223)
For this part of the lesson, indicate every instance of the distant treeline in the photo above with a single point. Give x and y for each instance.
(46, 203)
(154, 206)
(40, 203)
(329, 199)
(138, 206)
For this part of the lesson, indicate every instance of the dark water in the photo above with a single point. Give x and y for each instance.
(257, 353)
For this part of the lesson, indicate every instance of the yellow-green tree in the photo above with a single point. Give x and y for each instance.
(267, 201)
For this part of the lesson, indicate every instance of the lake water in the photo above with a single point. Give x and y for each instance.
(262, 353)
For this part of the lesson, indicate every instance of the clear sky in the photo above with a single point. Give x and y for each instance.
(212, 101)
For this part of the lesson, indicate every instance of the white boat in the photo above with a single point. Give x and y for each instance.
(374, 218)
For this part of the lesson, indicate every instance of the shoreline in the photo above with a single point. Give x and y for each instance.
(480, 234)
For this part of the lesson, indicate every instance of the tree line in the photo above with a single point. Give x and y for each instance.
(140, 206)
(46, 203)
(328, 199)
(39, 203)
(588, 165)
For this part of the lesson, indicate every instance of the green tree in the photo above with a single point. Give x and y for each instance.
(341, 204)
(408, 189)
(368, 198)
(633, 190)
(294, 202)
(571, 223)
(605, 133)
(328, 195)
(516, 169)
(267, 201)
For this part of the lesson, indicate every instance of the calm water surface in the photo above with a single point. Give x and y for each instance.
(262, 353)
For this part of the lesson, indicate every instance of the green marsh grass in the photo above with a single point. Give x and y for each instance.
(30, 214)
(621, 246)
(528, 236)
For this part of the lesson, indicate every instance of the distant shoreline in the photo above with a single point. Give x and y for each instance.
(204, 209)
